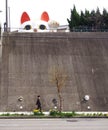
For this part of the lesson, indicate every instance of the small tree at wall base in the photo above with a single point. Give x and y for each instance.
(58, 77)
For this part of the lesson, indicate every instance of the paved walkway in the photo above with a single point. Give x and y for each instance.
(55, 124)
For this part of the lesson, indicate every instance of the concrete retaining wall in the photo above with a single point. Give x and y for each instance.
(27, 59)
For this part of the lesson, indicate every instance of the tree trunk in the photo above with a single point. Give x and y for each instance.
(60, 100)
(61, 106)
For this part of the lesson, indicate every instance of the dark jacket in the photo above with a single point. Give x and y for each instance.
(38, 103)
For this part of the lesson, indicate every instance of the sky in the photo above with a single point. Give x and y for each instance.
(58, 10)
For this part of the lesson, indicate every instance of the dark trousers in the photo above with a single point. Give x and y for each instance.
(39, 107)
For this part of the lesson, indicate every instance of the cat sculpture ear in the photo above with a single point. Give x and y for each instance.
(26, 24)
(45, 16)
(25, 17)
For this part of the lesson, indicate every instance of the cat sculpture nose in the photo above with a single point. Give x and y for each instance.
(35, 30)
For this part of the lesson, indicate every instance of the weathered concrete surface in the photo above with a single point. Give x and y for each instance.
(28, 57)
(0, 64)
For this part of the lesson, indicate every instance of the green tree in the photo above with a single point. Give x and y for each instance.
(74, 19)
(105, 19)
(82, 19)
(87, 18)
(88, 21)
(98, 19)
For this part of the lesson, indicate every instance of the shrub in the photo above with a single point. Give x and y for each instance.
(37, 112)
(54, 113)
(6, 114)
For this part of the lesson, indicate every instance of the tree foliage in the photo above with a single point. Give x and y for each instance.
(74, 20)
(88, 21)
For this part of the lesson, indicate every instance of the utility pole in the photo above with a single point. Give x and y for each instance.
(0, 28)
(6, 24)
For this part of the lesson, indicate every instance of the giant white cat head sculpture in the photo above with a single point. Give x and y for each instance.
(42, 25)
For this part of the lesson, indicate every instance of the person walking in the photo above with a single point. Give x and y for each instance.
(38, 103)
